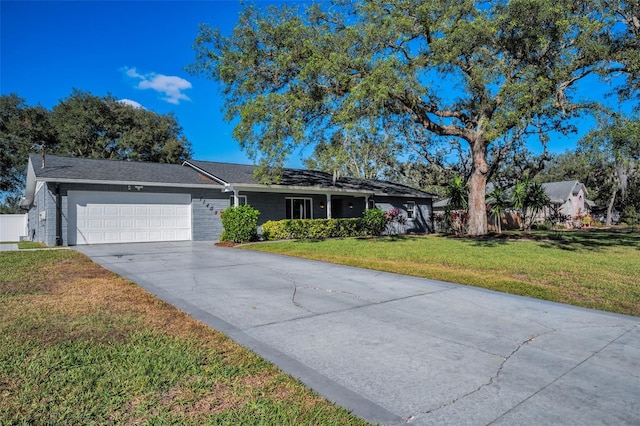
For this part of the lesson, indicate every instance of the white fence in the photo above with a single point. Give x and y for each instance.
(13, 226)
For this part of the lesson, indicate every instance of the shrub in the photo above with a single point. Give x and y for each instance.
(395, 222)
(311, 228)
(374, 222)
(240, 224)
(630, 217)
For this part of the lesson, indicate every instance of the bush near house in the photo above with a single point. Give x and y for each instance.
(240, 224)
(374, 222)
(311, 228)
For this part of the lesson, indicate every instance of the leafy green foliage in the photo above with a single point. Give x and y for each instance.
(93, 127)
(240, 224)
(497, 203)
(289, 76)
(613, 151)
(374, 222)
(359, 151)
(82, 125)
(311, 228)
(22, 128)
(529, 198)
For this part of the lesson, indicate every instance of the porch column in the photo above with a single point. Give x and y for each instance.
(366, 203)
(328, 206)
(236, 199)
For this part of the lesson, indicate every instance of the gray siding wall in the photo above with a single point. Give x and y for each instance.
(272, 206)
(43, 229)
(205, 220)
(421, 222)
(206, 206)
(37, 227)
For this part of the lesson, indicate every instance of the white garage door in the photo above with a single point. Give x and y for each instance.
(126, 217)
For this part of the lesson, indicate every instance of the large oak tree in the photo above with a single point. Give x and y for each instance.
(82, 125)
(466, 71)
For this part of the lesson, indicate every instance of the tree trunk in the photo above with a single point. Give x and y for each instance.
(610, 208)
(477, 219)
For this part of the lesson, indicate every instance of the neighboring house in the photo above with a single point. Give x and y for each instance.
(87, 201)
(569, 198)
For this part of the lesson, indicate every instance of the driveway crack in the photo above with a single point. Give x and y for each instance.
(565, 373)
(483, 385)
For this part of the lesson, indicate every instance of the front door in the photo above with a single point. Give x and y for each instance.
(336, 208)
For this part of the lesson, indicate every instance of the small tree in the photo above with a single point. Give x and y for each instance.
(395, 222)
(240, 224)
(456, 211)
(529, 198)
(498, 205)
(537, 200)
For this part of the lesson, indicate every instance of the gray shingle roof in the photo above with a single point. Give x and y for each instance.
(559, 192)
(97, 170)
(239, 174)
(85, 169)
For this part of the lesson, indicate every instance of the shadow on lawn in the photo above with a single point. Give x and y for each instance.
(591, 239)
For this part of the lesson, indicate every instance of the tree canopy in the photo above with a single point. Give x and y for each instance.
(361, 152)
(464, 71)
(614, 153)
(83, 125)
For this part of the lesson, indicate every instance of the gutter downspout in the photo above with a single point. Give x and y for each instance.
(58, 216)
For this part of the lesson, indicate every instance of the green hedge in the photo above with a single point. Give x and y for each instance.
(240, 224)
(312, 228)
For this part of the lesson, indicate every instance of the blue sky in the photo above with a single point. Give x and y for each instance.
(135, 50)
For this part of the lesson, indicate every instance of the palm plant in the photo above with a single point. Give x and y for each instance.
(535, 202)
(498, 205)
(519, 197)
(458, 200)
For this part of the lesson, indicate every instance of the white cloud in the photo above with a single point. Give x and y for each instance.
(171, 86)
(131, 103)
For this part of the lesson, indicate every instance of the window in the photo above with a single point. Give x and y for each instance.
(411, 209)
(298, 208)
(242, 200)
(371, 204)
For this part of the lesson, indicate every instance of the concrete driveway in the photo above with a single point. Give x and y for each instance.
(395, 349)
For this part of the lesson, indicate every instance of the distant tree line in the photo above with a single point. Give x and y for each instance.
(81, 125)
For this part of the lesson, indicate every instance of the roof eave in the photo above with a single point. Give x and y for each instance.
(204, 172)
(316, 190)
(129, 182)
(30, 187)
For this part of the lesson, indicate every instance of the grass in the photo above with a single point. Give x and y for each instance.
(598, 269)
(80, 345)
(24, 245)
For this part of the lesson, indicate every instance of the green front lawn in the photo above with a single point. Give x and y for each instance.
(597, 269)
(80, 345)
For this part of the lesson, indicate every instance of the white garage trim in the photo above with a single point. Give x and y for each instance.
(126, 217)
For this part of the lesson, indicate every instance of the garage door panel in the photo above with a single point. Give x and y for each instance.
(128, 217)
